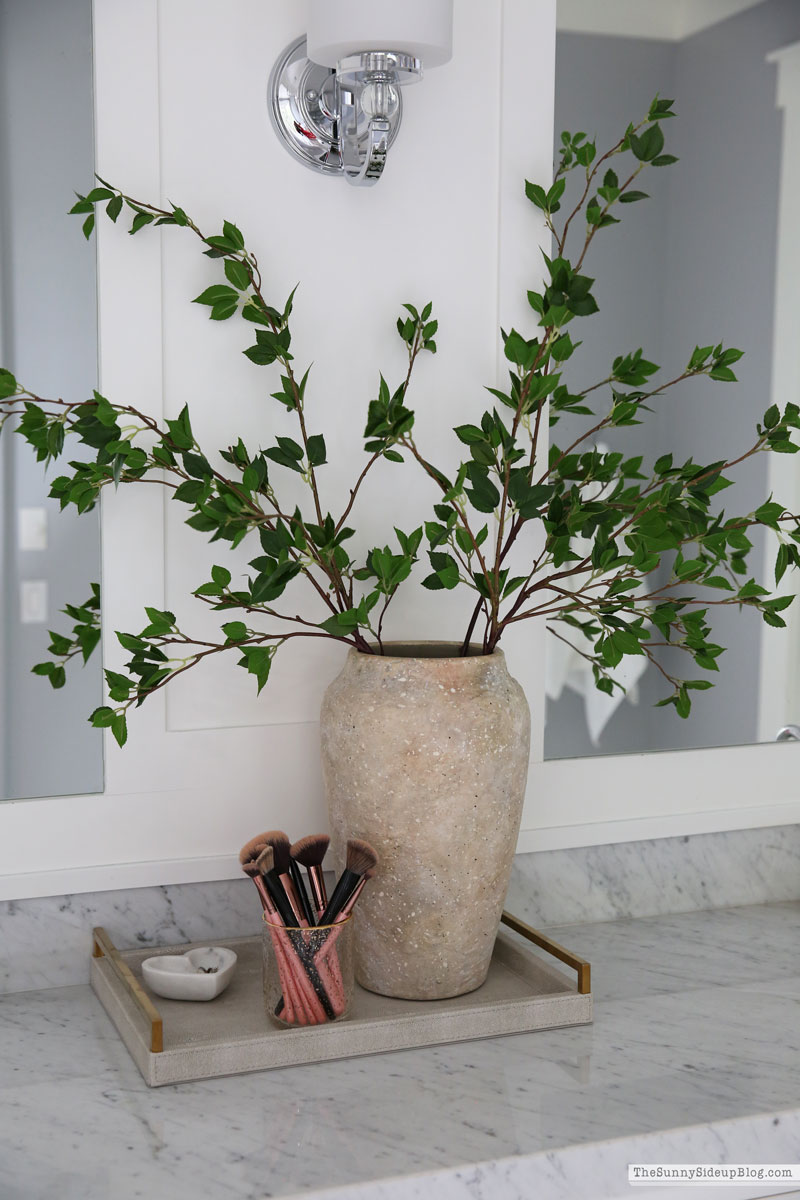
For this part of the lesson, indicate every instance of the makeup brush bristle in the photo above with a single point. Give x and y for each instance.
(360, 856)
(280, 844)
(251, 850)
(310, 851)
(265, 861)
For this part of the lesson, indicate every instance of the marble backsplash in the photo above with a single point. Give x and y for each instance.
(46, 942)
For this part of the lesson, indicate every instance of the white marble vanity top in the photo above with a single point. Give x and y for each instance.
(694, 1056)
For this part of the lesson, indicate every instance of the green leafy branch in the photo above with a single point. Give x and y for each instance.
(82, 641)
(607, 522)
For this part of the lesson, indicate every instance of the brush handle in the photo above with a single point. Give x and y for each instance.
(287, 883)
(290, 1001)
(299, 947)
(306, 958)
(279, 898)
(307, 994)
(295, 980)
(300, 891)
(316, 878)
(348, 882)
(327, 955)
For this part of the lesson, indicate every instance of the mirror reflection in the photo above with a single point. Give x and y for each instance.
(48, 336)
(696, 264)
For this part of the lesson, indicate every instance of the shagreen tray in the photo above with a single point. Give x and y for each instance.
(173, 1041)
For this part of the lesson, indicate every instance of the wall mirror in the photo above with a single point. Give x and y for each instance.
(48, 337)
(703, 261)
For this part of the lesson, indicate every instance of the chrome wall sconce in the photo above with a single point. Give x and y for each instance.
(334, 95)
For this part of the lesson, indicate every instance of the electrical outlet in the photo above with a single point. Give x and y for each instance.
(32, 528)
(33, 601)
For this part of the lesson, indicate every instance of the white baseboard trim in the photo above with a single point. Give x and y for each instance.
(161, 872)
(119, 876)
(637, 829)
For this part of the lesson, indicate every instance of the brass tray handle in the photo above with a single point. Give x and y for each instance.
(105, 948)
(583, 968)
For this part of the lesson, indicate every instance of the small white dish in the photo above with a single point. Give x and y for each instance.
(200, 974)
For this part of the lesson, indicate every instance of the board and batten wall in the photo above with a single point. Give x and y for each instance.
(181, 114)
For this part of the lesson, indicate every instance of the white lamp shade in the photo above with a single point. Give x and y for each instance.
(338, 28)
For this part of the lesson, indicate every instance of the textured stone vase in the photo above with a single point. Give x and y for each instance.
(425, 756)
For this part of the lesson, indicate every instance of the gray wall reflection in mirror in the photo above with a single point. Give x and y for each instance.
(48, 337)
(695, 263)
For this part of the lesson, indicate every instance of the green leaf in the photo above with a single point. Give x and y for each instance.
(221, 575)
(470, 435)
(119, 728)
(341, 624)
(649, 145)
(722, 374)
(235, 631)
(237, 274)
(518, 351)
(197, 466)
(768, 514)
(233, 235)
(316, 450)
(139, 221)
(8, 384)
(217, 294)
(102, 718)
(129, 642)
(82, 205)
(632, 197)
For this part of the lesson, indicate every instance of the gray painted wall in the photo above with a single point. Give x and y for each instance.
(694, 264)
(49, 340)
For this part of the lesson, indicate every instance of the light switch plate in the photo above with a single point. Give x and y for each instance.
(32, 528)
(33, 601)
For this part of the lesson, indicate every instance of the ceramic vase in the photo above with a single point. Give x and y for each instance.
(425, 756)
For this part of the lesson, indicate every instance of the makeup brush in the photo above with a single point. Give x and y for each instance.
(265, 865)
(298, 1011)
(350, 903)
(279, 842)
(300, 889)
(299, 1000)
(309, 852)
(346, 911)
(300, 950)
(326, 957)
(360, 859)
(247, 857)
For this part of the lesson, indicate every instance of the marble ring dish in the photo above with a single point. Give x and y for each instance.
(200, 974)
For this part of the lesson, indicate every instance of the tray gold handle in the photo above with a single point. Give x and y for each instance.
(583, 968)
(105, 948)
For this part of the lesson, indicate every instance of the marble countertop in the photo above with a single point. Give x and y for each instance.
(694, 1056)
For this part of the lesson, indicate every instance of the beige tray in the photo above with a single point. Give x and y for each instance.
(172, 1041)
